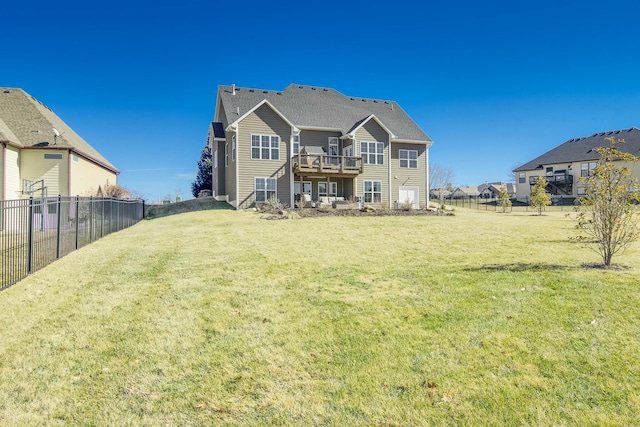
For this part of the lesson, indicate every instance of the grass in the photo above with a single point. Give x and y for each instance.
(220, 318)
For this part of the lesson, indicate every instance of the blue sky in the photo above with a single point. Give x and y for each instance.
(494, 83)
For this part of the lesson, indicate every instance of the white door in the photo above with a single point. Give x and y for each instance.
(409, 193)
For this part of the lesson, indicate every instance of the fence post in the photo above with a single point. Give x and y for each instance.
(30, 236)
(77, 219)
(58, 227)
(90, 219)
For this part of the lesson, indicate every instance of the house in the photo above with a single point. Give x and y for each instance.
(41, 156)
(465, 192)
(563, 166)
(308, 142)
(491, 190)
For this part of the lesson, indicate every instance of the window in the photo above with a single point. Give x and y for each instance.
(264, 189)
(306, 187)
(582, 191)
(522, 177)
(372, 152)
(53, 156)
(215, 158)
(75, 159)
(37, 206)
(226, 154)
(265, 147)
(333, 145)
(347, 151)
(587, 169)
(233, 148)
(52, 206)
(295, 140)
(322, 189)
(372, 191)
(409, 159)
(550, 171)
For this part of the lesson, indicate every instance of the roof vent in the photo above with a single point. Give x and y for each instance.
(8, 91)
(351, 99)
(313, 88)
(375, 101)
(238, 110)
(300, 87)
(325, 90)
(279, 93)
(251, 90)
(364, 100)
(233, 89)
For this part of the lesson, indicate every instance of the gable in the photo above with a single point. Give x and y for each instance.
(372, 131)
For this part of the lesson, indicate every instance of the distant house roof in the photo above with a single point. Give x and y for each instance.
(583, 149)
(322, 108)
(26, 122)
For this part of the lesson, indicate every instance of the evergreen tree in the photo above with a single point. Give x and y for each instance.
(203, 179)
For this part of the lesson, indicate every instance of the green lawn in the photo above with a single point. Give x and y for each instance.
(221, 318)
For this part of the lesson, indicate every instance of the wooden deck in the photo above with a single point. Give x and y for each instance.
(316, 164)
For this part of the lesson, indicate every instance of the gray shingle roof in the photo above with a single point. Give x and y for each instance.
(317, 107)
(583, 149)
(26, 122)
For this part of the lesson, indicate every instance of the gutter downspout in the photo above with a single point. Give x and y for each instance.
(236, 164)
(4, 172)
(69, 173)
(390, 182)
(427, 177)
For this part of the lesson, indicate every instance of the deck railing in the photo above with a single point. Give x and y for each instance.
(323, 163)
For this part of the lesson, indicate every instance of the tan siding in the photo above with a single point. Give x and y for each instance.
(12, 184)
(372, 132)
(54, 172)
(263, 121)
(408, 177)
(230, 171)
(86, 177)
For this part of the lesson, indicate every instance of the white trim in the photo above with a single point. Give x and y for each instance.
(266, 188)
(389, 178)
(376, 152)
(372, 192)
(319, 128)
(372, 116)
(410, 141)
(258, 105)
(408, 159)
(260, 147)
(237, 166)
(428, 190)
(416, 200)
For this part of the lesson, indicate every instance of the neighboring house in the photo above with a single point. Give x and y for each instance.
(41, 156)
(311, 142)
(491, 190)
(465, 192)
(439, 193)
(563, 166)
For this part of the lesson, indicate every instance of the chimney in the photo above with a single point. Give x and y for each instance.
(233, 89)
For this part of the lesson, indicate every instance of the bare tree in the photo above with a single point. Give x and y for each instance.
(440, 179)
(607, 218)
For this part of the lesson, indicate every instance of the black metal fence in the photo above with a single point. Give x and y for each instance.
(558, 203)
(35, 232)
